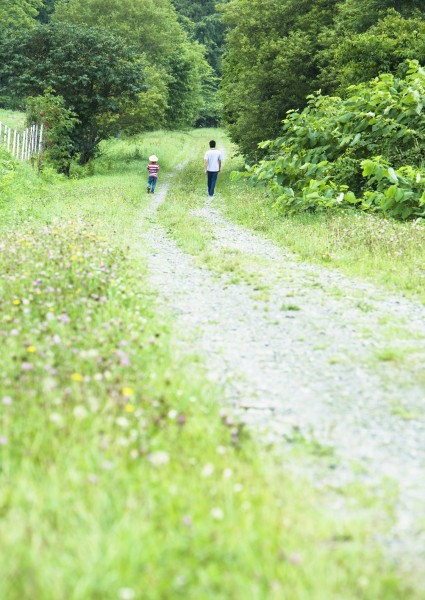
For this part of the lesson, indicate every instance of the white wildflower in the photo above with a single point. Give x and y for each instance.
(57, 419)
(208, 470)
(217, 513)
(126, 594)
(227, 473)
(80, 412)
(158, 459)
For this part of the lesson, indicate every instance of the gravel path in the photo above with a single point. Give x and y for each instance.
(316, 367)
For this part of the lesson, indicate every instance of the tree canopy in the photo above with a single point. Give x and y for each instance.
(279, 51)
(19, 15)
(96, 74)
(46, 10)
(203, 22)
(272, 63)
(152, 28)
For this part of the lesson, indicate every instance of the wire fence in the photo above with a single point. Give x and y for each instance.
(22, 145)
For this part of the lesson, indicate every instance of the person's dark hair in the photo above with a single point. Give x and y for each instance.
(212, 144)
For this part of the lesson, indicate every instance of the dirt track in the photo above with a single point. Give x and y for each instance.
(312, 360)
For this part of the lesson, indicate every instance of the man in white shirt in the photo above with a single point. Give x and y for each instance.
(212, 166)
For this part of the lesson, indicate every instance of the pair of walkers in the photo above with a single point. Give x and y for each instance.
(212, 167)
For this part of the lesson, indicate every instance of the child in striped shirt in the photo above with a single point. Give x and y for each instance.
(153, 169)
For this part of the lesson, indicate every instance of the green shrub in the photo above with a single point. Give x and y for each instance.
(58, 121)
(318, 163)
(398, 193)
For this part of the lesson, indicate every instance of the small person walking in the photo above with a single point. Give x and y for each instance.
(212, 166)
(153, 169)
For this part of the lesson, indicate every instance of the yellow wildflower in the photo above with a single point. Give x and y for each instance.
(77, 377)
(127, 391)
(130, 408)
(31, 349)
(16, 302)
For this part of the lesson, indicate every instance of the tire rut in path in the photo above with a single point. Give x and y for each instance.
(314, 369)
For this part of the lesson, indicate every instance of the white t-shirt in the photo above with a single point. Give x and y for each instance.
(212, 157)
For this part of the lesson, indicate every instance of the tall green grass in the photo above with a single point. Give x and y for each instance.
(12, 118)
(387, 252)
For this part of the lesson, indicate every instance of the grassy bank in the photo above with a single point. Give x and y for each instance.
(389, 253)
(121, 478)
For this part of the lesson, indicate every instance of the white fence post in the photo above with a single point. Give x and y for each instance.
(40, 141)
(15, 133)
(22, 145)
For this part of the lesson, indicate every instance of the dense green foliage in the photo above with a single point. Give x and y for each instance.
(16, 16)
(19, 15)
(46, 10)
(178, 73)
(349, 59)
(203, 22)
(181, 85)
(281, 51)
(58, 124)
(271, 63)
(358, 15)
(97, 75)
(323, 158)
(149, 25)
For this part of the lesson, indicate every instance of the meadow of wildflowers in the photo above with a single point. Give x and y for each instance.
(121, 476)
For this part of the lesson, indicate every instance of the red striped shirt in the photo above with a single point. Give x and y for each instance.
(153, 169)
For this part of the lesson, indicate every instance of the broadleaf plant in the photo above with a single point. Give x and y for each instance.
(365, 150)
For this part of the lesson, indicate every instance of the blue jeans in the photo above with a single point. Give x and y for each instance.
(152, 183)
(212, 180)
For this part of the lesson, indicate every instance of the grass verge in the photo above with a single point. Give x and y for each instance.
(390, 253)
